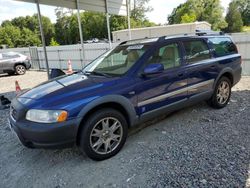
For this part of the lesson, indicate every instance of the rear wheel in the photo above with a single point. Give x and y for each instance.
(103, 134)
(20, 69)
(222, 93)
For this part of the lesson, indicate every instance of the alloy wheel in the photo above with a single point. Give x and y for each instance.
(223, 92)
(20, 69)
(106, 135)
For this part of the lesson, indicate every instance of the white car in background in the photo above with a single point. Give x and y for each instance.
(14, 63)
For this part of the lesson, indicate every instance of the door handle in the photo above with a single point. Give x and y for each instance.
(213, 66)
(180, 75)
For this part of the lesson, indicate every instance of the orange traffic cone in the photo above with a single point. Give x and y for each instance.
(70, 71)
(18, 89)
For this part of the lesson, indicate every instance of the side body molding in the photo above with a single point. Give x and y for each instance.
(123, 101)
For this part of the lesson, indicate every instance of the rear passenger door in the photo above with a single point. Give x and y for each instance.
(201, 69)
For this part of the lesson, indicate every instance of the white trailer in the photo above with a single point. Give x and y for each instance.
(157, 31)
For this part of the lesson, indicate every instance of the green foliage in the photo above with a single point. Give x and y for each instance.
(246, 28)
(53, 42)
(31, 23)
(233, 18)
(28, 38)
(10, 36)
(138, 12)
(244, 9)
(188, 18)
(16, 37)
(94, 24)
(199, 10)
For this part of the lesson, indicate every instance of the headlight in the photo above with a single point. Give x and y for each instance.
(46, 116)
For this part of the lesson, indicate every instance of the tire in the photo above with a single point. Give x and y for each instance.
(221, 96)
(20, 69)
(103, 134)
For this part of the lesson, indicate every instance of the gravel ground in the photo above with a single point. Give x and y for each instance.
(194, 147)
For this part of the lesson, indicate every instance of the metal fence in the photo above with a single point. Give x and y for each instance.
(58, 56)
(242, 41)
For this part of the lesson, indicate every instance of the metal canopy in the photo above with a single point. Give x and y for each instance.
(117, 7)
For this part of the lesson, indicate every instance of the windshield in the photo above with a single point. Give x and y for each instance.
(116, 62)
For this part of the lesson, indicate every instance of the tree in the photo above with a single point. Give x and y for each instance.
(31, 23)
(94, 26)
(138, 14)
(53, 42)
(10, 36)
(234, 18)
(204, 10)
(244, 9)
(188, 18)
(28, 38)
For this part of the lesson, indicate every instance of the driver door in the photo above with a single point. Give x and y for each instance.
(165, 88)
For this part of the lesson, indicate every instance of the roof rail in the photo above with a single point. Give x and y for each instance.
(208, 32)
(154, 39)
(140, 40)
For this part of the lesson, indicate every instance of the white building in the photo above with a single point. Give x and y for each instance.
(157, 31)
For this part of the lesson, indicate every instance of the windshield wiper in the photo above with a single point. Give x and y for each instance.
(97, 73)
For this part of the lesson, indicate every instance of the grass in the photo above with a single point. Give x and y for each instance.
(246, 28)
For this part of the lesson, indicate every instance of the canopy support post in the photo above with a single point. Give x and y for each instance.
(108, 24)
(80, 30)
(128, 16)
(42, 37)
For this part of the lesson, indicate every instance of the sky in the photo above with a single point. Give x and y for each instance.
(10, 9)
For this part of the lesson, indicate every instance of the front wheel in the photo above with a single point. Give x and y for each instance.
(20, 69)
(222, 93)
(104, 134)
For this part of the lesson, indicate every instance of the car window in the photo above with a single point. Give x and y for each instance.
(167, 55)
(9, 56)
(222, 46)
(117, 61)
(196, 51)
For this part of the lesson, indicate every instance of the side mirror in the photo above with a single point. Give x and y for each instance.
(153, 68)
(56, 73)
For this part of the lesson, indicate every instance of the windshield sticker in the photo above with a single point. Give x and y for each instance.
(135, 47)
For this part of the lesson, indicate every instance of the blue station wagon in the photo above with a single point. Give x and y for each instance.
(135, 82)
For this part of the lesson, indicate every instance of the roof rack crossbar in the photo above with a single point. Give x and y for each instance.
(208, 32)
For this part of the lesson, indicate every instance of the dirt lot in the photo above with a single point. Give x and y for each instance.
(194, 147)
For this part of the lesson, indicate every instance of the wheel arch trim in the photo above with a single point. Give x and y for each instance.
(224, 71)
(124, 102)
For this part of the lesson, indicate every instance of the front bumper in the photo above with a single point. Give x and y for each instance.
(27, 64)
(40, 135)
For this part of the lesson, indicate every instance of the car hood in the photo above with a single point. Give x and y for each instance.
(68, 85)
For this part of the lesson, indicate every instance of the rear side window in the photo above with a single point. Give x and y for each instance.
(223, 46)
(196, 50)
(9, 56)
